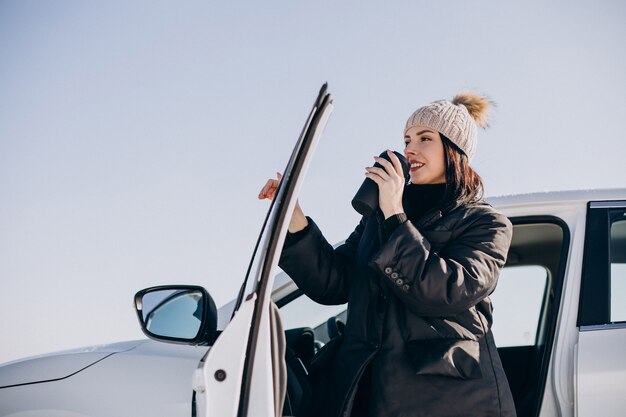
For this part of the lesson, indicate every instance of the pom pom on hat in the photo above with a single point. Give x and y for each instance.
(477, 106)
(456, 120)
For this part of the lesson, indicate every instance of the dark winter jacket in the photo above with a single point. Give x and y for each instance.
(419, 313)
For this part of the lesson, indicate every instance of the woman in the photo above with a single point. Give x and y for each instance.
(417, 275)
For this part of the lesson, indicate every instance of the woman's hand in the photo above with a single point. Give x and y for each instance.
(391, 182)
(298, 219)
(270, 187)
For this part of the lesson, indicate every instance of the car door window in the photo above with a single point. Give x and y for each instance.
(618, 266)
(304, 312)
(517, 302)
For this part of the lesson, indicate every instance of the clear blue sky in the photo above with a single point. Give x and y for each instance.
(135, 135)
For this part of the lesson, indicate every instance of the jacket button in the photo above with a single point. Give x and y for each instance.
(399, 281)
(405, 287)
(388, 270)
(394, 275)
(374, 344)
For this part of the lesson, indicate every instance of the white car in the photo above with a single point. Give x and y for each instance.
(560, 324)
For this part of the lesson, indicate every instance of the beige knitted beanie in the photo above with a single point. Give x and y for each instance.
(456, 120)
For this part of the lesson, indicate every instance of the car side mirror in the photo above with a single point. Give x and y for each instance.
(177, 313)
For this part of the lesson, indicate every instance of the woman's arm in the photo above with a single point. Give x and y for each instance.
(323, 273)
(298, 220)
(456, 278)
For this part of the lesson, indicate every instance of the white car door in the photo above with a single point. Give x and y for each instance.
(601, 361)
(243, 374)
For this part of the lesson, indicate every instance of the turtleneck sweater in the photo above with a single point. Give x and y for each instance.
(417, 200)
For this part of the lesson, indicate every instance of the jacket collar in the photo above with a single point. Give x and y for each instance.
(427, 219)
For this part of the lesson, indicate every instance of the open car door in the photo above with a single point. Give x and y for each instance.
(243, 374)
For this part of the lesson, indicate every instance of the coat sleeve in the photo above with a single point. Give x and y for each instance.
(321, 272)
(453, 280)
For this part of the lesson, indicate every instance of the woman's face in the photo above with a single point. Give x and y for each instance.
(424, 151)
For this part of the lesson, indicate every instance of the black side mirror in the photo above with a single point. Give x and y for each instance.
(178, 314)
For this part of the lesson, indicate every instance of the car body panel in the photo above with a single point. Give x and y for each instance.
(151, 379)
(601, 373)
(57, 365)
(226, 358)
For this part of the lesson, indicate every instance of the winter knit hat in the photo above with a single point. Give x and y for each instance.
(456, 120)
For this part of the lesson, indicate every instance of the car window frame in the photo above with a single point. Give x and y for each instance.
(594, 308)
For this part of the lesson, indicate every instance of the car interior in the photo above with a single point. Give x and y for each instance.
(537, 241)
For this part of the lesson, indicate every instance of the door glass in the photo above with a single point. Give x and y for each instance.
(304, 312)
(517, 303)
(618, 267)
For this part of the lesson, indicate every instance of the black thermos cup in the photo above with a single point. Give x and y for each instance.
(366, 199)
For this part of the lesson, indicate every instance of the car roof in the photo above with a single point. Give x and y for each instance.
(573, 196)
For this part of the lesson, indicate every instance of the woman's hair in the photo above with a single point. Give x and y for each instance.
(463, 184)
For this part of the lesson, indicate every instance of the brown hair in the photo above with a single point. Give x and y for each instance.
(463, 184)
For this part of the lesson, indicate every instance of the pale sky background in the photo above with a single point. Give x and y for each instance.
(135, 136)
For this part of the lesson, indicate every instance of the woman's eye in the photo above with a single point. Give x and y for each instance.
(424, 139)
(406, 144)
